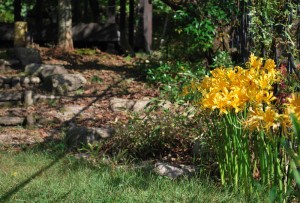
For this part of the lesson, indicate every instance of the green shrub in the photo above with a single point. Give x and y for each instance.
(160, 134)
(172, 77)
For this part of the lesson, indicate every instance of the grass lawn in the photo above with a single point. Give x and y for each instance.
(41, 177)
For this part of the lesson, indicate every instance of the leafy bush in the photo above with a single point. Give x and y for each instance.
(173, 77)
(159, 135)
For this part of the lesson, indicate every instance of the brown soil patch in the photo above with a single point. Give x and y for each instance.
(107, 75)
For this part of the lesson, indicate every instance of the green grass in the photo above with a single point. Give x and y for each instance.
(41, 177)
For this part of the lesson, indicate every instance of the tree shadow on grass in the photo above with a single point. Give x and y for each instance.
(50, 143)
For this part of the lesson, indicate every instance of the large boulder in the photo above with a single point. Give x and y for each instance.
(25, 55)
(44, 70)
(66, 83)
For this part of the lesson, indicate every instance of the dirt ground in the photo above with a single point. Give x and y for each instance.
(108, 76)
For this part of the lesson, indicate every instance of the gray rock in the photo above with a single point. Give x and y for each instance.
(43, 98)
(25, 55)
(104, 132)
(51, 70)
(119, 104)
(33, 69)
(35, 80)
(62, 84)
(28, 98)
(44, 70)
(25, 80)
(11, 121)
(78, 136)
(173, 171)
(140, 105)
(11, 97)
(70, 111)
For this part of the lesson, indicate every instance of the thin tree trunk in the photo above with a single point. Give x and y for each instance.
(17, 10)
(131, 23)
(76, 11)
(95, 10)
(111, 12)
(39, 18)
(65, 40)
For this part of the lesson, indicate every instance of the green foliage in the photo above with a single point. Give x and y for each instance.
(84, 51)
(172, 77)
(222, 59)
(157, 135)
(293, 150)
(6, 11)
(270, 26)
(96, 79)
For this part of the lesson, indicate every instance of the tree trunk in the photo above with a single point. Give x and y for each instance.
(76, 11)
(111, 12)
(131, 23)
(17, 10)
(95, 10)
(65, 40)
(39, 18)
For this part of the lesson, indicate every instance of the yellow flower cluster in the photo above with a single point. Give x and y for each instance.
(268, 118)
(233, 88)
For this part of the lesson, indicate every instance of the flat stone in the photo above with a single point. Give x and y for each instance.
(43, 98)
(119, 104)
(70, 111)
(104, 132)
(140, 105)
(172, 171)
(11, 121)
(11, 97)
